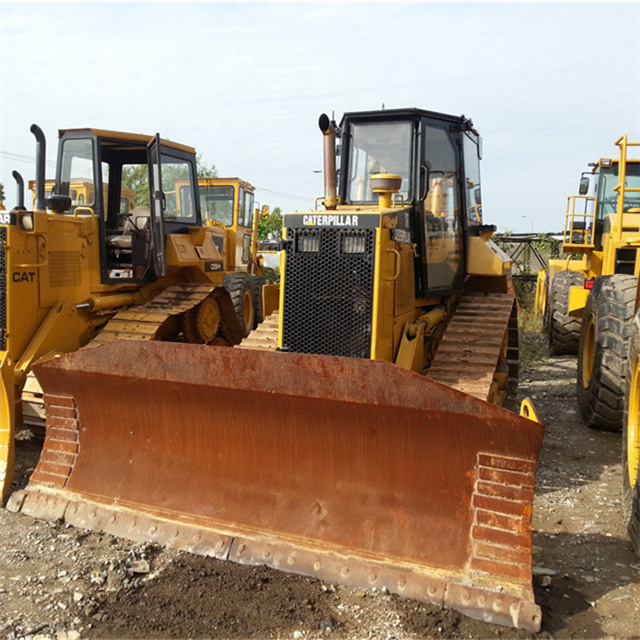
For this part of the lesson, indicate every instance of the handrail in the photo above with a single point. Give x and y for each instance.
(585, 235)
(621, 189)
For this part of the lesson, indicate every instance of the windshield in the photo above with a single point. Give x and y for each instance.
(217, 204)
(608, 198)
(378, 148)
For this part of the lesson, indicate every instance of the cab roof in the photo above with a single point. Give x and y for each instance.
(401, 114)
(120, 135)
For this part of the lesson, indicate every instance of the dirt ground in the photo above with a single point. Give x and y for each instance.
(61, 583)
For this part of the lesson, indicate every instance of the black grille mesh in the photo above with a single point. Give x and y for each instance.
(3, 289)
(626, 260)
(328, 293)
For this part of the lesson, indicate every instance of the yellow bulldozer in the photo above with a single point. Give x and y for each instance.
(225, 202)
(86, 265)
(587, 299)
(367, 447)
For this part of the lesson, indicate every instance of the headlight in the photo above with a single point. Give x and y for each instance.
(26, 221)
(353, 242)
(308, 242)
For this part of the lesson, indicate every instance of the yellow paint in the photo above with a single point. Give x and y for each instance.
(577, 300)
(486, 259)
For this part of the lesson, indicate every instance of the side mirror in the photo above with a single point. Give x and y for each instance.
(264, 214)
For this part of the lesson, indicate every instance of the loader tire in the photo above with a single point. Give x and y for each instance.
(256, 291)
(564, 330)
(239, 287)
(631, 440)
(602, 354)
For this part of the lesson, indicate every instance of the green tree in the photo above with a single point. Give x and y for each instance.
(136, 177)
(203, 170)
(273, 224)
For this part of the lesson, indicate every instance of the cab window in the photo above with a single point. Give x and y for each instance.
(248, 209)
(178, 189)
(77, 166)
(441, 210)
(608, 196)
(241, 207)
(472, 175)
(217, 203)
(378, 148)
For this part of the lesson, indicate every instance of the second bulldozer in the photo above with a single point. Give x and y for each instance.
(367, 448)
(118, 249)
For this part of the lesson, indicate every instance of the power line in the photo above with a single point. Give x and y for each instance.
(284, 195)
(31, 160)
(22, 158)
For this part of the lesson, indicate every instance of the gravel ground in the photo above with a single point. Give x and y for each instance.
(61, 583)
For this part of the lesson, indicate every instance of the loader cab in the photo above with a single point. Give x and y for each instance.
(607, 185)
(437, 158)
(230, 202)
(139, 188)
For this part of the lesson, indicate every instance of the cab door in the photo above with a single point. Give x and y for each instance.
(157, 200)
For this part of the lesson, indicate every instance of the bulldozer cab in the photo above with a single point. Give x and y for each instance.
(230, 202)
(139, 189)
(437, 159)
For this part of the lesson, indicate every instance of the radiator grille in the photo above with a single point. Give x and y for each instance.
(3, 289)
(328, 295)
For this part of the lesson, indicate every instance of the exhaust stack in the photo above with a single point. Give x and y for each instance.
(41, 150)
(19, 191)
(328, 128)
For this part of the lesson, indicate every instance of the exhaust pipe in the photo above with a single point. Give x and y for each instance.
(328, 128)
(41, 149)
(19, 191)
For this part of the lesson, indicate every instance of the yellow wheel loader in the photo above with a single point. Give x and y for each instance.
(88, 265)
(365, 447)
(631, 435)
(588, 298)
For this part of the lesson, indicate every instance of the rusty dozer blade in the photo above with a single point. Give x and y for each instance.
(354, 471)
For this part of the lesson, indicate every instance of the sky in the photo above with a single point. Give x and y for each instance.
(550, 86)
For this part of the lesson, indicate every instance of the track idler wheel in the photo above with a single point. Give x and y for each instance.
(200, 325)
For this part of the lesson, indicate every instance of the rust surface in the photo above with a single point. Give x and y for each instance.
(352, 470)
